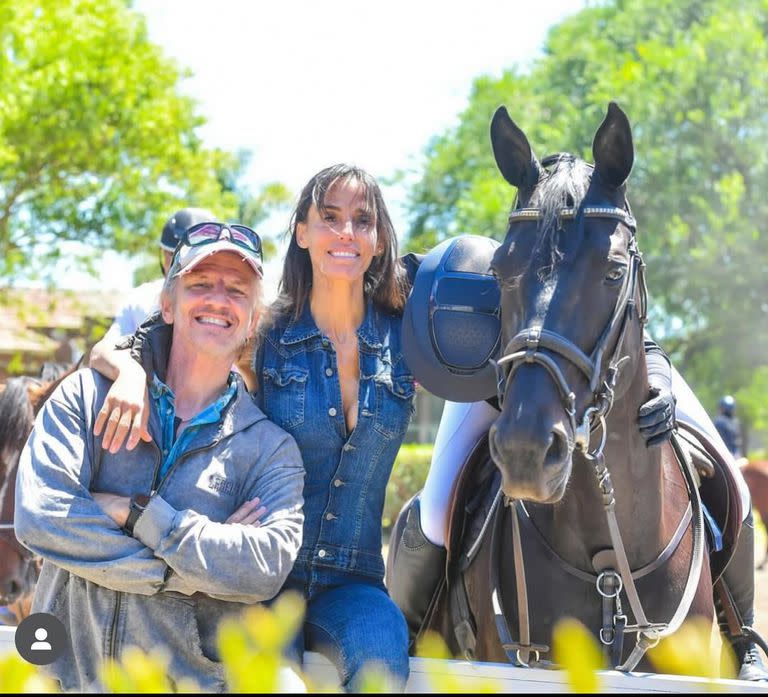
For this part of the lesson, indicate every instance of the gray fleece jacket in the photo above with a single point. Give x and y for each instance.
(169, 586)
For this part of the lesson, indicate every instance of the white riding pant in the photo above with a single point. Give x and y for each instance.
(462, 424)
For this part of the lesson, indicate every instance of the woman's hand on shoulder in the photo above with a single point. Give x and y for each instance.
(125, 411)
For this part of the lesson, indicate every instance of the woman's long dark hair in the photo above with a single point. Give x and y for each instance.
(384, 281)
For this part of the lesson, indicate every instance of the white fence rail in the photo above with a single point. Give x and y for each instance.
(508, 678)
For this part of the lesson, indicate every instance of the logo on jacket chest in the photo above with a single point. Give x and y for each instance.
(221, 485)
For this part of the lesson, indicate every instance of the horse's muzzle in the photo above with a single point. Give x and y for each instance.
(533, 467)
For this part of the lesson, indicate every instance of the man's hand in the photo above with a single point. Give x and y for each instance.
(248, 514)
(115, 506)
(125, 411)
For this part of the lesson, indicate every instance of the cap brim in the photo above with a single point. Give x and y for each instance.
(196, 254)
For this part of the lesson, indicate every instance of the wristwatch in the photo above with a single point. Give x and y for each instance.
(137, 506)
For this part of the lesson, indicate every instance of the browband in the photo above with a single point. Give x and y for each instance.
(525, 214)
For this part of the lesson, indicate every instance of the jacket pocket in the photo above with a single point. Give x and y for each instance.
(202, 657)
(394, 403)
(284, 394)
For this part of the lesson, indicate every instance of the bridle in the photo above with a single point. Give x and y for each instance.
(526, 347)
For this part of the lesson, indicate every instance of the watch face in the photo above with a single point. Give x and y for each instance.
(141, 500)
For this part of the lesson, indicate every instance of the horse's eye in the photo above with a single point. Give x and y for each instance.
(615, 274)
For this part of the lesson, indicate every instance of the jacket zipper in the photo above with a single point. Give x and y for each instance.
(119, 594)
(217, 439)
(158, 462)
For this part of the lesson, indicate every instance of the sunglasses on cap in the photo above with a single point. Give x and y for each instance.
(200, 241)
(205, 233)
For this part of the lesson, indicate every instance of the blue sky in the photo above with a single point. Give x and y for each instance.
(304, 84)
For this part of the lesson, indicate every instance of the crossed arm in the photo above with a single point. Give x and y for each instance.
(61, 520)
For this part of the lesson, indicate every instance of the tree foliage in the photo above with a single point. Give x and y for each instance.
(690, 75)
(97, 143)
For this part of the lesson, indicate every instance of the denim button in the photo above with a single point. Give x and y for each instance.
(330, 516)
(332, 411)
(329, 372)
(321, 554)
(347, 447)
(337, 483)
(325, 342)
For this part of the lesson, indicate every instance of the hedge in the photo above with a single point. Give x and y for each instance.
(408, 476)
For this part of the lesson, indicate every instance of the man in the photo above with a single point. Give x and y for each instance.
(143, 300)
(729, 426)
(153, 546)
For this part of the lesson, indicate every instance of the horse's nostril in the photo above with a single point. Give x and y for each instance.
(557, 452)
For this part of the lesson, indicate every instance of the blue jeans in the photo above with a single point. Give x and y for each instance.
(353, 625)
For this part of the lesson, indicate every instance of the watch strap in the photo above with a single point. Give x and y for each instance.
(136, 507)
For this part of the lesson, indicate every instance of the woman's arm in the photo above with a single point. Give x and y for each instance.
(125, 411)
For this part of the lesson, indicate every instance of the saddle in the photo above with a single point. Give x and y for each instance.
(719, 492)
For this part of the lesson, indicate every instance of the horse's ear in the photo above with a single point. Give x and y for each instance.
(612, 147)
(514, 157)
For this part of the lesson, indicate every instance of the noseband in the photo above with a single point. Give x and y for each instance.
(526, 345)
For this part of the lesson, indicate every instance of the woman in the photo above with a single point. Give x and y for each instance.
(330, 371)
(328, 368)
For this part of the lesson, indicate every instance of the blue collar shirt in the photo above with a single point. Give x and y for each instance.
(164, 401)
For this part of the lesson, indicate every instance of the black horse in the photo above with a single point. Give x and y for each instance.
(577, 517)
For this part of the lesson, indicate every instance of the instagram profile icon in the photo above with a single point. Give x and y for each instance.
(40, 638)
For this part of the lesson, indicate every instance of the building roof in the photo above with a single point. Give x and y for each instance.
(29, 315)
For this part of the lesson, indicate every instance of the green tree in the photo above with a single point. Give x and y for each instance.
(690, 76)
(97, 142)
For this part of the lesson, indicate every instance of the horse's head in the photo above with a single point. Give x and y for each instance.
(570, 275)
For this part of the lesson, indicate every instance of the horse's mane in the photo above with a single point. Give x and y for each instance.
(16, 417)
(564, 186)
(52, 374)
(20, 401)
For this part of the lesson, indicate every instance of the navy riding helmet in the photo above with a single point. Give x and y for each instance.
(179, 222)
(451, 327)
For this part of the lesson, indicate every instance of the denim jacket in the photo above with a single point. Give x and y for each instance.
(346, 473)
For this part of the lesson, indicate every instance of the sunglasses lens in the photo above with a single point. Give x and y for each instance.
(246, 237)
(208, 232)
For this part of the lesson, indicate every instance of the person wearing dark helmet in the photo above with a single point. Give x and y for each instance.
(143, 300)
(728, 425)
